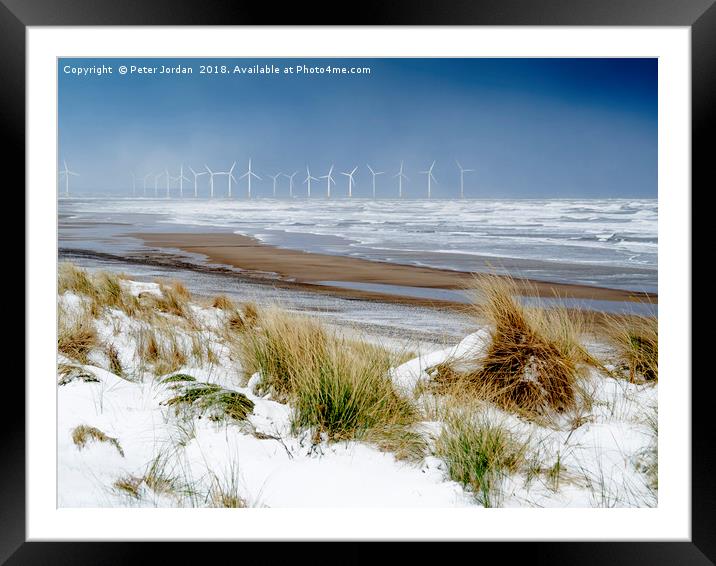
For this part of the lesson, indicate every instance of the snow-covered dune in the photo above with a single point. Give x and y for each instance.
(147, 451)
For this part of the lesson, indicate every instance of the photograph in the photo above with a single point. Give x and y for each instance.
(379, 282)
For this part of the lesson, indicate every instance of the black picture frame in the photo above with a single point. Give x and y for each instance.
(699, 15)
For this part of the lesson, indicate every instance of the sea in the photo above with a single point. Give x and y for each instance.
(604, 242)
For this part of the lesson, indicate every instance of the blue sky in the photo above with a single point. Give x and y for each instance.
(531, 128)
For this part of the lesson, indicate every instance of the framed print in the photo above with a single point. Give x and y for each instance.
(416, 275)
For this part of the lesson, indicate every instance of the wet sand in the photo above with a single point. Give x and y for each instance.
(305, 268)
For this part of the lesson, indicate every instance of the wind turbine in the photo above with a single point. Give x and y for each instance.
(249, 174)
(196, 176)
(430, 175)
(168, 180)
(462, 178)
(181, 178)
(211, 181)
(290, 182)
(134, 185)
(329, 179)
(230, 175)
(144, 183)
(66, 172)
(273, 178)
(350, 180)
(308, 180)
(374, 173)
(400, 177)
(156, 184)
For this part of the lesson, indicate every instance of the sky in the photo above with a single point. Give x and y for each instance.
(530, 128)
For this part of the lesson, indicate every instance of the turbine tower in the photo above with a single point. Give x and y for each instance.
(350, 180)
(156, 184)
(290, 182)
(400, 177)
(431, 177)
(66, 172)
(196, 176)
(329, 179)
(181, 178)
(308, 180)
(211, 181)
(144, 183)
(230, 175)
(134, 185)
(249, 174)
(273, 178)
(462, 178)
(166, 171)
(374, 173)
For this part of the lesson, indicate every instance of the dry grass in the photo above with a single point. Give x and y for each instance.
(82, 434)
(279, 348)
(71, 372)
(102, 289)
(251, 313)
(223, 302)
(174, 300)
(533, 361)
(76, 335)
(110, 293)
(478, 454)
(637, 341)
(115, 364)
(128, 485)
(159, 477)
(161, 347)
(241, 319)
(225, 492)
(73, 279)
(336, 386)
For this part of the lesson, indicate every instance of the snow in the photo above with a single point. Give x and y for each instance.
(275, 473)
(408, 375)
(266, 463)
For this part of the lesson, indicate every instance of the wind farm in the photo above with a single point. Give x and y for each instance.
(270, 186)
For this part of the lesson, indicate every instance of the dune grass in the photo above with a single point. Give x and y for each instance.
(337, 386)
(115, 364)
(103, 290)
(160, 477)
(636, 339)
(649, 456)
(224, 303)
(478, 454)
(225, 491)
(160, 347)
(174, 300)
(240, 319)
(533, 361)
(83, 434)
(208, 398)
(76, 335)
(73, 279)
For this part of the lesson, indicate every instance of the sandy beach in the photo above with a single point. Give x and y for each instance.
(248, 254)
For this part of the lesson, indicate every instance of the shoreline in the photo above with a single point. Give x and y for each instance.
(308, 270)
